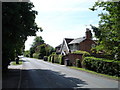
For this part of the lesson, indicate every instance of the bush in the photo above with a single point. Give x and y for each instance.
(45, 58)
(81, 52)
(56, 58)
(49, 58)
(78, 63)
(36, 55)
(61, 60)
(100, 65)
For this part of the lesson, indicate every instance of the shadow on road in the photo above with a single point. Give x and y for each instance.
(39, 78)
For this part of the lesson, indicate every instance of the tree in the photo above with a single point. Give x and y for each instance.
(108, 32)
(18, 22)
(40, 48)
(37, 41)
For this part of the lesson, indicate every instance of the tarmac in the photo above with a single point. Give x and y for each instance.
(11, 79)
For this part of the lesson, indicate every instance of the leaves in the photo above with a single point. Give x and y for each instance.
(109, 27)
(18, 22)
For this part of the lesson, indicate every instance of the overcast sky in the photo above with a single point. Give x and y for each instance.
(63, 19)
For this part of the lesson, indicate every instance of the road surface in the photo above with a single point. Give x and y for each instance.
(41, 74)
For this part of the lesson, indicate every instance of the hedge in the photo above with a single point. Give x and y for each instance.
(49, 58)
(100, 65)
(45, 58)
(81, 52)
(61, 60)
(78, 63)
(36, 55)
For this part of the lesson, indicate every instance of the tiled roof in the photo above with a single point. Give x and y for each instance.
(68, 40)
(78, 40)
(58, 46)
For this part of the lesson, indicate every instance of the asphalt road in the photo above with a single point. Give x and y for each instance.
(41, 74)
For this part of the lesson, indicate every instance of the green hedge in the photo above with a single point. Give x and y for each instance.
(49, 58)
(36, 55)
(61, 60)
(45, 58)
(81, 52)
(100, 65)
(78, 63)
(54, 58)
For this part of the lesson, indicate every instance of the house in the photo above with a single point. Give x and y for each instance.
(57, 49)
(82, 43)
(65, 46)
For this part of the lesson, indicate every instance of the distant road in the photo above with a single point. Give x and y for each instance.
(40, 74)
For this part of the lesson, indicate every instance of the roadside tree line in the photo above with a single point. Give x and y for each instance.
(39, 49)
(18, 22)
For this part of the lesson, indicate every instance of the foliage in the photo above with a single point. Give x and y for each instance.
(27, 53)
(36, 55)
(92, 72)
(39, 46)
(100, 65)
(49, 58)
(37, 41)
(61, 59)
(78, 63)
(14, 62)
(32, 51)
(55, 58)
(45, 58)
(81, 52)
(109, 28)
(18, 22)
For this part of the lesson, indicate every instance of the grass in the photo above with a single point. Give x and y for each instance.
(14, 62)
(92, 72)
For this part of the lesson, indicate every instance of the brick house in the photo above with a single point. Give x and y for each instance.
(70, 45)
(82, 43)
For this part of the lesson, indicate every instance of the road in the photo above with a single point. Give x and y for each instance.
(41, 74)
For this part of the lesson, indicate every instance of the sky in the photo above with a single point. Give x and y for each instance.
(61, 19)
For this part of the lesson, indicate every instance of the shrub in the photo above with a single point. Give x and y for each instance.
(45, 58)
(61, 60)
(49, 58)
(36, 55)
(81, 52)
(56, 58)
(100, 65)
(52, 59)
(78, 63)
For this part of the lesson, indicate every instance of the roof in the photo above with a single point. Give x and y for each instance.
(78, 40)
(68, 40)
(58, 46)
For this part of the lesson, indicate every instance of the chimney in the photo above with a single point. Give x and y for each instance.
(88, 33)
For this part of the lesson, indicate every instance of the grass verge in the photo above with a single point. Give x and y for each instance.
(92, 72)
(14, 62)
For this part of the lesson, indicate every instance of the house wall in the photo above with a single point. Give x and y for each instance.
(64, 49)
(86, 45)
(74, 47)
(73, 57)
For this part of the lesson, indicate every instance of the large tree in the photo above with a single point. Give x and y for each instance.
(108, 32)
(40, 47)
(37, 41)
(18, 22)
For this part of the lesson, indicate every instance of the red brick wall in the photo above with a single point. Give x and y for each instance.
(73, 57)
(86, 45)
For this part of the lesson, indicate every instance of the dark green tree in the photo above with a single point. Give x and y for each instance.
(37, 41)
(18, 22)
(108, 32)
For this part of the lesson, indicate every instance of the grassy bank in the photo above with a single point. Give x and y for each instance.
(92, 72)
(14, 62)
